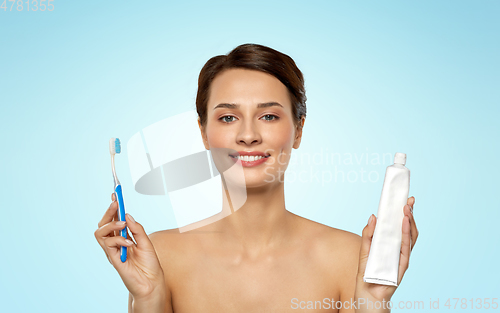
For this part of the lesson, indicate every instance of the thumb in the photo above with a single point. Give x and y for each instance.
(366, 241)
(138, 232)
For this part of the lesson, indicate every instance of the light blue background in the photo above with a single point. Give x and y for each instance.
(419, 77)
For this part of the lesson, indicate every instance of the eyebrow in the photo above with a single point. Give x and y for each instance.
(236, 106)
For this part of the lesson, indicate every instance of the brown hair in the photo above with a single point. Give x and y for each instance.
(259, 58)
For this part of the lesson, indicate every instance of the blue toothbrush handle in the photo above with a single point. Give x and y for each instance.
(121, 217)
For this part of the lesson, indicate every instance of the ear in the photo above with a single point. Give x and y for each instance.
(298, 132)
(203, 135)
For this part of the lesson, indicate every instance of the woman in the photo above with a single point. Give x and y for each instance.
(261, 258)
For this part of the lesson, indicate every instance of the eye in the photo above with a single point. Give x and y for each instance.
(227, 119)
(270, 117)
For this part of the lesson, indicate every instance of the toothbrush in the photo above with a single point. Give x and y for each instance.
(114, 148)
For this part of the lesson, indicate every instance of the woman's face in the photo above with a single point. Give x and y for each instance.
(249, 112)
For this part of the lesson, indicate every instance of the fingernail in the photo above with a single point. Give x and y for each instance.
(120, 223)
(128, 241)
(370, 219)
(131, 218)
(411, 210)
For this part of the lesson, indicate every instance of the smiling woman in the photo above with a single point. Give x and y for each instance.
(251, 112)
(261, 257)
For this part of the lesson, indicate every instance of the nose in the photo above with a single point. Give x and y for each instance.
(248, 134)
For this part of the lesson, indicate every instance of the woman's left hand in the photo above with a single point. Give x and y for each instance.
(375, 292)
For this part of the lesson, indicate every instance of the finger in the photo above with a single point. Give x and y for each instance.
(413, 229)
(404, 259)
(138, 232)
(109, 214)
(106, 230)
(112, 247)
(129, 236)
(411, 201)
(113, 198)
(116, 219)
(366, 240)
(407, 213)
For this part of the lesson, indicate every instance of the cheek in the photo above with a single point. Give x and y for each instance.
(280, 138)
(218, 137)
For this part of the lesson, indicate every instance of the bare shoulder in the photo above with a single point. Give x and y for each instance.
(164, 236)
(335, 252)
(337, 248)
(331, 236)
(170, 243)
(179, 250)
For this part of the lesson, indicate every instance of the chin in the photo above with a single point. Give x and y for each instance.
(261, 179)
(252, 180)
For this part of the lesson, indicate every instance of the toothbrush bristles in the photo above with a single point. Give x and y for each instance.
(118, 147)
(114, 146)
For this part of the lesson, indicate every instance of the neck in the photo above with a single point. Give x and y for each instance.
(261, 223)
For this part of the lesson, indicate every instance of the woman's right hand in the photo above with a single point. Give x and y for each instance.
(141, 272)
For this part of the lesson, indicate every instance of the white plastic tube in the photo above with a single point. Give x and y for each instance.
(383, 259)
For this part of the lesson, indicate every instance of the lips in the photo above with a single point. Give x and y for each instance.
(249, 158)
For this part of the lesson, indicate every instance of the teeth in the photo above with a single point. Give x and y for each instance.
(250, 158)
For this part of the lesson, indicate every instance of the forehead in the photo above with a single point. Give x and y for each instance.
(247, 87)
